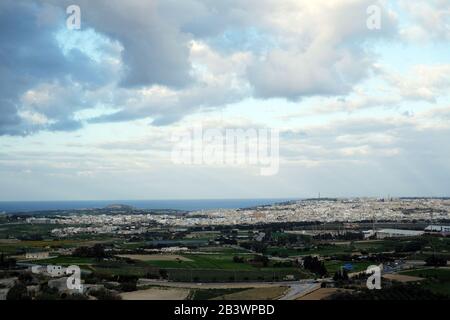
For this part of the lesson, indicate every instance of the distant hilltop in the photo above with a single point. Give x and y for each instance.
(119, 207)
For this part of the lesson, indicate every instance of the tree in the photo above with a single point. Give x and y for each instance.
(18, 292)
(436, 261)
(128, 286)
(260, 259)
(163, 273)
(395, 292)
(341, 275)
(314, 265)
(6, 263)
(25, 278)
(97, 252)
(103, 294)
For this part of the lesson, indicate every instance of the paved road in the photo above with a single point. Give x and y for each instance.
(300, 289)
(296, 288)
(219, 285)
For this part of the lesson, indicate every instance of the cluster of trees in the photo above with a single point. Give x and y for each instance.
(163, 274)
(314, 265)
(254, 246)
(18, 292)
(260, 260)
(436, 261)
(395, 292)
(128, 283)
(104, 294)
(349, 236)
(6, 262)
(410, 246)
(155, 273)
(280, 253)
(31, 237)
(97, 251)
(47, 293)
(341, 275)
(281, 239)
(284, 264)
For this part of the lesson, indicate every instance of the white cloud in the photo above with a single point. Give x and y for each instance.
(430, 20)
(421, 82)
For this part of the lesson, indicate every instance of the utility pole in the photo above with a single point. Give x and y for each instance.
(373, 223)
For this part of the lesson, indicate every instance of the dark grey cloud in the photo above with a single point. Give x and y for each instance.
(303, 58)
(155, 52)
(31, 57)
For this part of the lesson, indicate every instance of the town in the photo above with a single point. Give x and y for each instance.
(314, 210)
(301, 249)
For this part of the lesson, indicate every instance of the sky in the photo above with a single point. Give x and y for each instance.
(91, 113)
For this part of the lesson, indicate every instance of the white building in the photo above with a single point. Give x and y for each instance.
(436, 228)
(397, 233)
(34, 220)
(36, 255)
(56, 271)
(368, 233)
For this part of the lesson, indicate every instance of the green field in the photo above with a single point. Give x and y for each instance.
(322, 250)
(375, 246)
(208, 275)
(204, 261)
(66, 261)
(20, 247)
(372, 246)
(13, 230)
(437, 279)
(203, 268)
(333, 266)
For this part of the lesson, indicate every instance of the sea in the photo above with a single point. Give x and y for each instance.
(187, 205)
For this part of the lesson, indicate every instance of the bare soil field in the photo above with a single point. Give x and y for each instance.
(155, 257)
(9, 241)
(320, 294)
(156, 294)
(402, 278)
(270, 293)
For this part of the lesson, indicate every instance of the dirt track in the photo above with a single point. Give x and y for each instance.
(402, 278)
(154, 257)
(156, 294)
